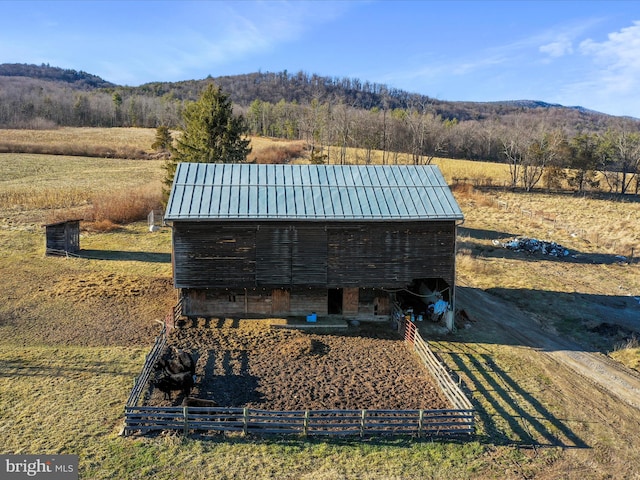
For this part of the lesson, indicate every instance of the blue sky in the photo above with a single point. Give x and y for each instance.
(574, 52)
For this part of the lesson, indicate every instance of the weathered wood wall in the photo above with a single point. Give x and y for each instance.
(391, 254)
(63, 237)
(331, 255)
(287, 268)
(214, 255)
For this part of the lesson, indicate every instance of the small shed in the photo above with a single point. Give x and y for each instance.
(62, 238)
(296, 239)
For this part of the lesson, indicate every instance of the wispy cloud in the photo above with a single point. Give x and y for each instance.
(201, 38)
(558, 48)
(553, 43)
(617, 59)
(236, 32)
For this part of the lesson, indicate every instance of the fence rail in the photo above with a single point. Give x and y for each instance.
(451, 390)
(150, 360)
(456, 421)
(300, 422)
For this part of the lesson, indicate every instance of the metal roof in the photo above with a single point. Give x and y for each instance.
(216, 191)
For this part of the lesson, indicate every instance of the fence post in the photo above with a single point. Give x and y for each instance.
(245, 420)
(185, 415)
(305, 424)
(420, 423)
(362, 422)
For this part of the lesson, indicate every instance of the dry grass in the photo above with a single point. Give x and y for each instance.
(37, 189)
(95, 142)
(61, 398)
(589, 224)
(126, 206)
(277, 152)
(628, 353)
(131, 143)
(591, 228)
(478, 174)
(454, 170)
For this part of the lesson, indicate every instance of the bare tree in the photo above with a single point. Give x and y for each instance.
(416, 125)
(542, 150)
(583, 160)
(622, 150)
(342, 125)
(514, 150)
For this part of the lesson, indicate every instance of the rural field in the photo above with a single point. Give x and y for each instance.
(550, 355)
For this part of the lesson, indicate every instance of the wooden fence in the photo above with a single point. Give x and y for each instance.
(149, 362)
(300, 422)
(171, 319)
(454, 422)
(451, 390)
(152, 357)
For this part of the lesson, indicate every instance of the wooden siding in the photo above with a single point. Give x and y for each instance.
(390, 255)
(273, 255)
(329, 255)
(309, 256)
(213, 255)
(62, 238)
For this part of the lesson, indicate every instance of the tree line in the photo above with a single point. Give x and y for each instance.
(538, 141)
(33, 103)
(537, 148)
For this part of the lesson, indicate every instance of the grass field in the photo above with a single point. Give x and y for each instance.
(74, 333)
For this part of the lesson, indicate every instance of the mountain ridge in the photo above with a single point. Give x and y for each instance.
(297, 87)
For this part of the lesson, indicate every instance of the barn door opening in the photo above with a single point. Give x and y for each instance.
(280, 301)
(429, 298)
(334, 306)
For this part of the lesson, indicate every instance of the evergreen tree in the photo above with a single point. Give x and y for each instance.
(163, 140)
(211, 134)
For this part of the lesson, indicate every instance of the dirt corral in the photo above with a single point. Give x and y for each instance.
(248, 363)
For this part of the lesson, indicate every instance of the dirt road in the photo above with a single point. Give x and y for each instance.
(511, 322)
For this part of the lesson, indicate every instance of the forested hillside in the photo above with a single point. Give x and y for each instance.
(537, 139)
(80, 80)
(35, 89)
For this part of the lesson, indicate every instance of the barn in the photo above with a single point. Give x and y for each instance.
(288, 240)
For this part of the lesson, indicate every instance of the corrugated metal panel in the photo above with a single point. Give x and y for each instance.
(206, 191)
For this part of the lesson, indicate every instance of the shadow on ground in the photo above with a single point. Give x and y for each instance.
(121, 255)
(509, 414)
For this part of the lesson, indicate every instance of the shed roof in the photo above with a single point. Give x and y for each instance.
(216, 191)
(63, 222)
